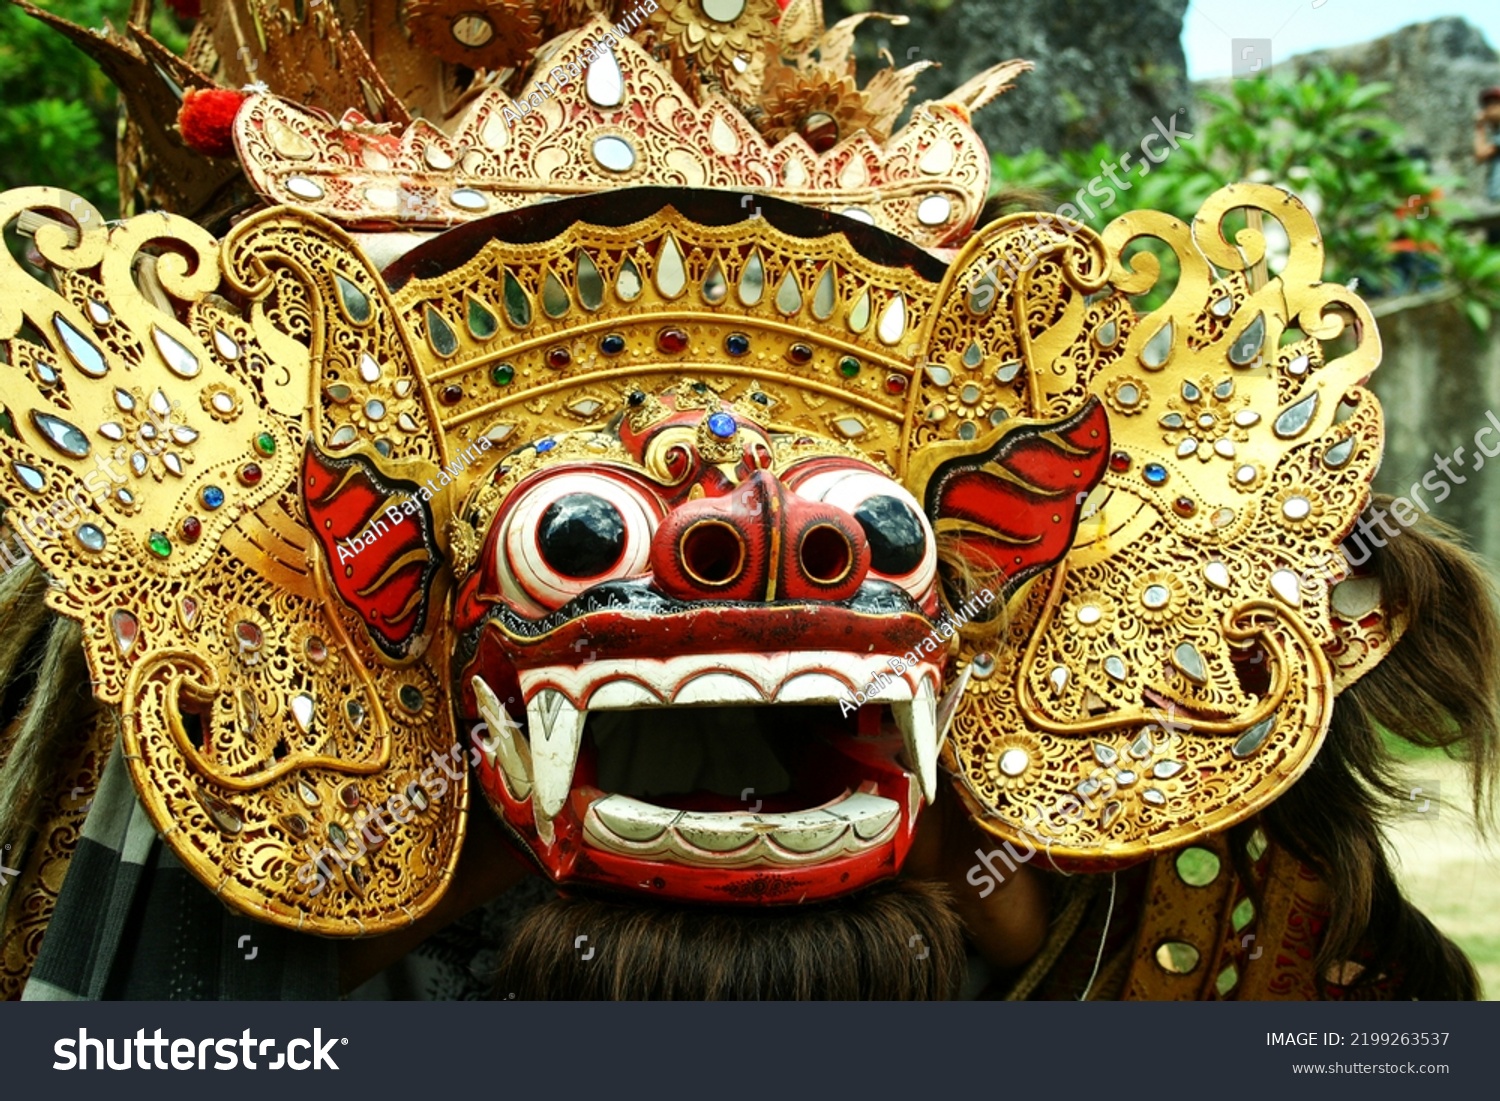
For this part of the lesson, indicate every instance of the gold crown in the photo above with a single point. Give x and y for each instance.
(373, 132)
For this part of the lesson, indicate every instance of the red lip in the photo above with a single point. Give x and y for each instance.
(719, 629)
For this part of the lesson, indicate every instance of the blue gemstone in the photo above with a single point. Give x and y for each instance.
(212, 496)
(612, 345)
(721, 425)
(545, 445)
(1154, 473)
(736, 344)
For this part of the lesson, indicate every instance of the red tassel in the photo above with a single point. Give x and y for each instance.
(206, 120)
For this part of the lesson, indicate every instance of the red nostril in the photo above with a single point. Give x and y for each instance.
(826, 554)
(712, 553)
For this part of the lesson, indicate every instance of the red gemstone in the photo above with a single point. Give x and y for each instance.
(250, 474)
(799, 354)
(126, 628)
(192, 527)
(896, 384)
(249, 635)
(1185, 506)
(451, 395)
(1119, 462)
(559, 357)
(672, 341)
(821, 131)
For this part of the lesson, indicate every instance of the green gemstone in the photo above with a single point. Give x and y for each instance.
(482, 323)
(503, 374)
(848, 366)
(160, 545)
(517, 304)
(440, 334)
(356, 302)
(265, 443)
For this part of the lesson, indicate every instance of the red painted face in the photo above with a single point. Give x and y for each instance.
(705, 658)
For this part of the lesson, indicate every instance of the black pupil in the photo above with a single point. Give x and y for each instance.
(897, 540)
(581, 535)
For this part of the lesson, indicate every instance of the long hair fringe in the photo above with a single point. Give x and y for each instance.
(1438, 689)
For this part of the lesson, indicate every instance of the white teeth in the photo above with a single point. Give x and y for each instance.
(797, 676)
(633, 819)
(718, 688)
(504, 743)
(869, 814)
(809, 831)
(948, 705)
(812, 688)
(857, 822)
(894, 691)
(621, 695)
(542, 765)
(556, 729)
(718, 833)
(919, 730)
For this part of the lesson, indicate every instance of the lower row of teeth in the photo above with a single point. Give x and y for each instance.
(855, 823)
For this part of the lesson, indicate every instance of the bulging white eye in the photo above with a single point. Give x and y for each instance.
(902, 548)
(572, 531)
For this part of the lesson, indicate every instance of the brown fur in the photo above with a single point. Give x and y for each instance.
(1438, 688)
(1011, 200)
(859, 948)
(44, 696)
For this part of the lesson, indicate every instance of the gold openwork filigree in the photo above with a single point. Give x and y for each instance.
(1172, 676)
(257, 719)
(927, 182)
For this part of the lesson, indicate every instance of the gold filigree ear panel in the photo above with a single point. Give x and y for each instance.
(1172, 676)
(168, 405)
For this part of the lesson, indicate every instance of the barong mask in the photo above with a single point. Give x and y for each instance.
(713, 539)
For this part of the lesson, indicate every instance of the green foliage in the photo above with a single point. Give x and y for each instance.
(1325, 137)
(57, 111)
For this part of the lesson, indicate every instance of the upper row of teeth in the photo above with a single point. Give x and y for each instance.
(543, 768)
(810, 676)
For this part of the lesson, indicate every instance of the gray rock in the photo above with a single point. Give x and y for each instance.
(1437, 70)
(1439, 381)
(1103, 68)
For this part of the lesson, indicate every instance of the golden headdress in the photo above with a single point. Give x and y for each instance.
(1168, 678)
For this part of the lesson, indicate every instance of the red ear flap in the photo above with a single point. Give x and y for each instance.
(1015, 504)
(377, 538)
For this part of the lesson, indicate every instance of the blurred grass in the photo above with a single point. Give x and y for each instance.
(1445, 868)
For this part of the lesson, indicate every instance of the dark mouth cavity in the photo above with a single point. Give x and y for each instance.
(731, 758)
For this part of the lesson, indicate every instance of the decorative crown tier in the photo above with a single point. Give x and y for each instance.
(605, 115)
(491, 105)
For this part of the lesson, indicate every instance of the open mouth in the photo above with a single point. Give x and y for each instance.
(684, 774)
